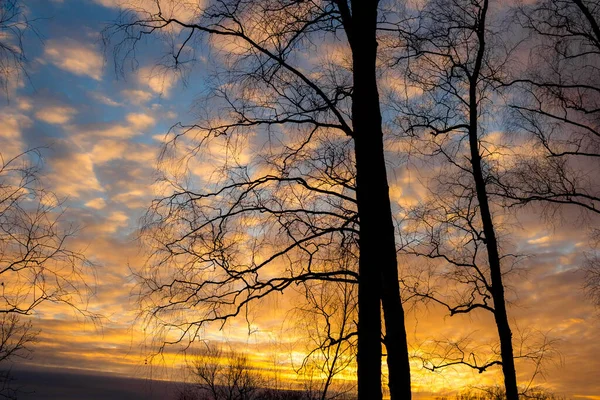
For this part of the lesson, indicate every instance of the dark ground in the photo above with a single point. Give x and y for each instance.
(70, 385)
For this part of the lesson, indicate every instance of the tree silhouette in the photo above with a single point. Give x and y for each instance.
(267, 84)
(328, 320)
(13, 25)
(220, 376)
(454, 56)
(37, 264)
(556, 102)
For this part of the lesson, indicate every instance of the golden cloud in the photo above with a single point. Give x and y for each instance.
(77, 58)
(57, 115)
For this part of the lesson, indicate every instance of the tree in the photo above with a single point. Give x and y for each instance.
(556, 103)
(228, 375)
(327, 320)
(13, 25)
(37, 264)
(455, 58)
(592, 272)
(498, 393)
(16, 337)
(220, 376)
(264, 46)
(258, 236)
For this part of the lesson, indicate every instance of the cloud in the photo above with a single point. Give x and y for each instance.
(137, 97)
(116, 220)
(133, 199)
(184, 11)
(98, 203)
(109, 3)
(393, 84)
(24, 104)
(135, 124)
(107, 150)
(11, 142)
(73, 175)
(105, 99)
(140, 121)
(77, 58)
(56, 115)
(159, 81)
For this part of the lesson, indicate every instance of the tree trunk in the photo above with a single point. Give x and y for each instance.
(378, 268)
(497, 289)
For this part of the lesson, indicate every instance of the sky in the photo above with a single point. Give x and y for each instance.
(102, 134)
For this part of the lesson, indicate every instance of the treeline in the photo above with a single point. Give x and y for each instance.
(214, 374)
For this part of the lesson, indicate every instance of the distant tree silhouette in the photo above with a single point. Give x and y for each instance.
(16, 337)
(498, 393)
(268, 84)
(228, 375)
(328, 321)
(220, 376)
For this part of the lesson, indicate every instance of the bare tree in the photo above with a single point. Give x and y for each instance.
(328, 321)
(271, 86)
(498, 393)
(13, 25)
(457, 278)
(592, 271)
(454, 56)
(229, 375)
(220, 375)
(557, 103)
(36, 263)
(558, 93)
(295, 230)
(16, 337)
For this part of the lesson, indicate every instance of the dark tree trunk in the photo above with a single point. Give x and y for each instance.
(378, 268)
(497, 289)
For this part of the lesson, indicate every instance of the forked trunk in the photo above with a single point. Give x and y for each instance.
(378, 267)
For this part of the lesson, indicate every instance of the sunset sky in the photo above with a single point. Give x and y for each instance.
(103, 133)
